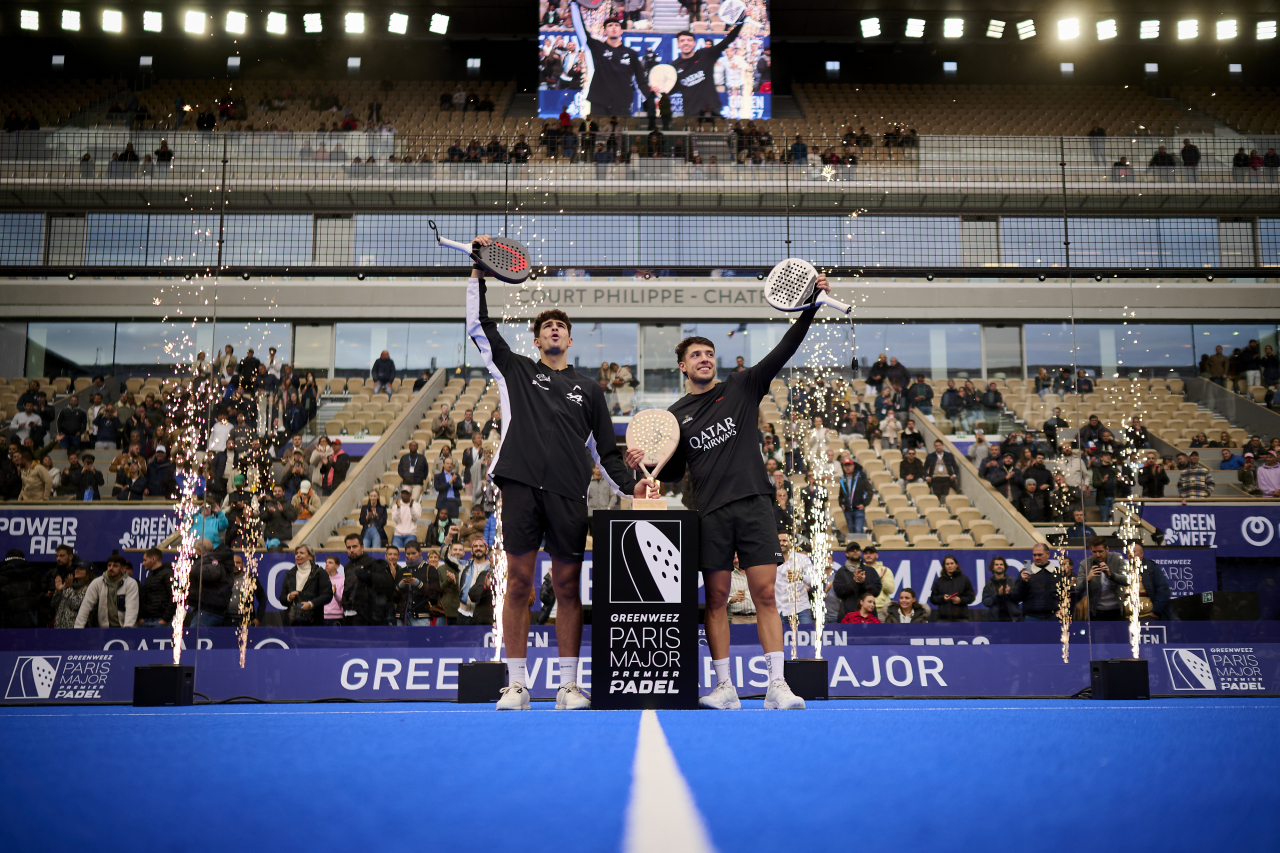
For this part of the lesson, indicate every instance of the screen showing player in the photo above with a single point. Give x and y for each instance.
(601, 61)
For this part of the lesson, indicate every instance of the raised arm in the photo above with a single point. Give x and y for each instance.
(724, 43)
(483, 330)
(760, 375)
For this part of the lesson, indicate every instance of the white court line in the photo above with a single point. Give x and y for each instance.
(661, 816)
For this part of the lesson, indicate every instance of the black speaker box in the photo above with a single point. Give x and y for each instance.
(481, 682)
(807, 677)
(163, 684)
(1218, 607)
(1120, 678)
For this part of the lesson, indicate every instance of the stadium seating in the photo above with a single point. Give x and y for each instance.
(1249, 109)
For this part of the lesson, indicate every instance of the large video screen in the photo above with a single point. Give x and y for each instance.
(618, 58)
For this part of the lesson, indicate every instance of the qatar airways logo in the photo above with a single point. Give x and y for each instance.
(694, 78)
(716, 434)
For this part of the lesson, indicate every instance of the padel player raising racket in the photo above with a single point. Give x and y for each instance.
(719, 446)
(556, 420)
(615, 69)
(696, 72)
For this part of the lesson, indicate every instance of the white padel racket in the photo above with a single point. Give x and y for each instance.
(661, 558)
(657, 433)
(662, 77)
(790, 287)
(503, 259)
(590, 4)
(731, 11)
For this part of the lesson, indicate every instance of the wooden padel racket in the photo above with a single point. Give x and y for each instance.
(662, 78)
(790, 287)
(657, 433)
(505, 260)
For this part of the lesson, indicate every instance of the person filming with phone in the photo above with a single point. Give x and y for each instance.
(1103, 577)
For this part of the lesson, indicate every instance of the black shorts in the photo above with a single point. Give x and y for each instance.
(529, 514)
(745, 527)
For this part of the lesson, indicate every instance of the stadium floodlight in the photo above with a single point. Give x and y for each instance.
(112, 21)
(1188, 29)
(71, 20)
(398, 23)
(870, 27)
(952, 28)
(145, 63)
(1151, 68)
(29, 19)
(59, 61)
(311, 23)
(1026, 29)
(277, 23)
(1149, 30)
(915, 28)
(1235, 68)
(439, 24)
(194, 22)
(995, 29)
(1107, 29)
(236, 22)
(152, 22)
(1266, 30)
(353, 64)
(1068, 28)
(1226, 30)
(950, 67)
(354, 22)
(233, 64)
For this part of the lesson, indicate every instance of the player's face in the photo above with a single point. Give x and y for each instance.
(613, 32)
(553, 338)
(699, 362)
(686, 45)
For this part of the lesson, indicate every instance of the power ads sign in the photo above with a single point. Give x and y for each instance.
(644, 621)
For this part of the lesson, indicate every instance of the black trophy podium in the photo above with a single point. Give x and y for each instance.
(644, 610)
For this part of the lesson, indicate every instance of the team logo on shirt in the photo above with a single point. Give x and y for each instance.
(542, 381)
(577, 398)
(714, 435)
(625, 60)
(694, 78)
(687, 419)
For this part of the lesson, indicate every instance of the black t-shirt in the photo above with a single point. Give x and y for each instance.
(611, 82)
(695, 77)
(719, 443)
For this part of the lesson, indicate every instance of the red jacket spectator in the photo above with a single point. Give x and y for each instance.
(858, 618)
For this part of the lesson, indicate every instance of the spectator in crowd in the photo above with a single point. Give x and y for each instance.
(1254, 446)
(1051, 427)
(742, 610)
(1153, 584)
(599, 493)
(246, 599)
(161, 475)
(1106, 483)
(1247, 476)
(306, 589)
(20, 586)
(980, 449)
(306, 501)
(855, 578)
(1153, 478)
(475, 463)
(920, 396)
(448, 486)
(1102, 581)
(1219, 365)
(69, 593)
(795, 579)
(277, 515)
(373, 521)
(1136, 435)
(911, 438)
(1195, 481)
(952, 592)
(1162, 164)
(209, 523)
(1230, 461)
(799, 152)
(130, 485)
(333, 471)
(333, 614)
(106, 594)
(72, 423)
(1037, 590)
(493, 425)
(1190, 161)
(480, 571)
(906, 610)
(1002, 593)
(156, 606)
(910, 469)
(37, 484)
(442, 425)
(1078, 533)
(992, 402)
(89, 480)
(1122, 170)
(1268, 476)
(473, 526)
(866, 612)
(941, 470)
(383, 373)
(418, 588)
(370, 586)
(1032, 503)
(467, 427)
(404, 516)
(23, 422)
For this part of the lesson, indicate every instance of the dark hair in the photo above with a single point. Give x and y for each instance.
(116, 559)
(910, 590)
(350, 536)
(66, 548)
(683, 346)
(684, 33)
(1095, 541)
(412, 543)
(14, 552)
(153, 552)
(870, 595)
(87, 457)
(547, 316)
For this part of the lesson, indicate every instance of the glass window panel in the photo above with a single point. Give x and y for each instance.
(938, 350)
(359, 344)
(140, 346)
(20, 238)
(1269, 236)
(1111, 349)
(117, 239)
(70, 349)
(246, 335)
(1230, 336)
(595, 343)
(283, 240)
(433, 346)
(1110, 242)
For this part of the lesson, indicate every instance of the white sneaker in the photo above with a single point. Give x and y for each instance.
(780, 698)
(723, 698)
(571, 697)
(515, 697)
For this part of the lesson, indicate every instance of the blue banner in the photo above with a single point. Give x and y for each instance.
(1185, 659)
(93, 532)
(1232, 530)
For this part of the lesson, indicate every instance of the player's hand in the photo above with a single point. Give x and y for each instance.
(646, 489)
(482, 240)
(822, 284)
(634, 457)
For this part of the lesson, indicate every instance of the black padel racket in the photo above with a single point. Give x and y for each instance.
(505, 260)
(790, 287)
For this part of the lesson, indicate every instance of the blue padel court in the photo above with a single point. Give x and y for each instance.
(1191, 774)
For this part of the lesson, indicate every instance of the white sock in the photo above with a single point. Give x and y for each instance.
(722, 669)
(773, 660)
(516, 671)
(568, 670)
